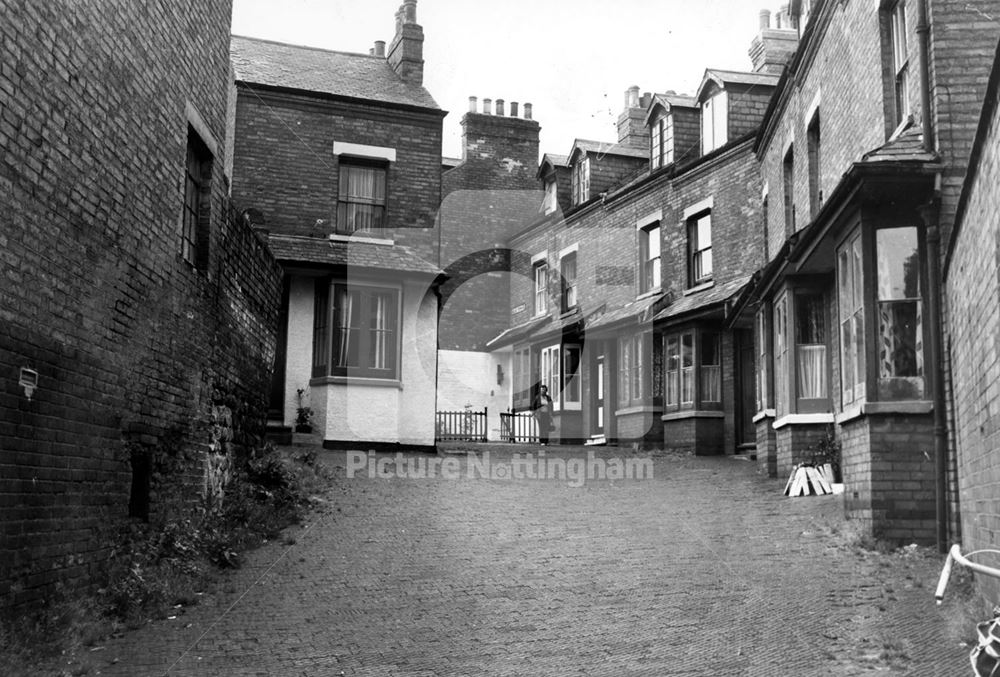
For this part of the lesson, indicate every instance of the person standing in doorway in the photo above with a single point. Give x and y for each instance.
(541, 406)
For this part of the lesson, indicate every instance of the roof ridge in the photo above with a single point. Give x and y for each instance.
(309, 47)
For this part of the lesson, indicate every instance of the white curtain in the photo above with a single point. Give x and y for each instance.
(812, 371)
(346, 312)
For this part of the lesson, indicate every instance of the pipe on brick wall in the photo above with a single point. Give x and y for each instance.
(923, 45)
(930, 214)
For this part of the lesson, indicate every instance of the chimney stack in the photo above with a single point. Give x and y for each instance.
(632, 130)
(406, 53)
(502, 146)
(774, 47)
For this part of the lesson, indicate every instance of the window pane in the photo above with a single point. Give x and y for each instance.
(711, 368)
(810, 320)
(705, 232)
(687, 368)
(899, 333)
(706, 264)
(673, 360)
(571, 382)
(898, 259)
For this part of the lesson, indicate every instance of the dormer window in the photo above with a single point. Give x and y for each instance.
(714, 118)
(551, 201)
(581, 180)
(662, 141)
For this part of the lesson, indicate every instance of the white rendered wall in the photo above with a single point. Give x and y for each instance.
(298, 360)
(470, 378)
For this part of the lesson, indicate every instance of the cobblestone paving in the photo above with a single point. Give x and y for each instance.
(705, 569)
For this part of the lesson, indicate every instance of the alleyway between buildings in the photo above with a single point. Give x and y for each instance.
(703, 569)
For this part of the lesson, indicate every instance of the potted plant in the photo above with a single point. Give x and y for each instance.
(827, 452)
(303, 415)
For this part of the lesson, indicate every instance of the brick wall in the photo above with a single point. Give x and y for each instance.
(286, 169)
(490, 196)
(135, 349)
(972, 290)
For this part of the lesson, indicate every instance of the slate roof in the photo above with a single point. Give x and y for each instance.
(358, 76)
(605, 148)
(633, 310)
(669, 100)
(512, 334)
(741, 77)
(356, 253)
(692, 302)
(908, 146)
(556, 160)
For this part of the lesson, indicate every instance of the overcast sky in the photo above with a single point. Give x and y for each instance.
(572, 59)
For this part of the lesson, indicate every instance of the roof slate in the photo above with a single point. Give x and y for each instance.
(686, 304)
(742, 77)
(359, 76)
(634, 310)
(605, 148)
(354, 253)
(909, 145)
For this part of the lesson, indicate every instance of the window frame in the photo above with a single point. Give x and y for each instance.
(565, 388)
(900, 60)
(788, 189)
(853, 318)
(569, 298)
(764, 349)
(661, 141)
(650, 273)
(344, 199)
(327, 334)
(581, 180)
(196, 210)
(787, 310)
(540, 286)
(675, 378)
(696, 249)
(523, 385)
(634, 387)
(813, 151)
(712, 109)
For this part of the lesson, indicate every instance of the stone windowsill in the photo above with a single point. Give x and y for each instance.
(638, 409)
(802, 419)
(692, 413)
(701, 287)
(356, 381)
(761, 415)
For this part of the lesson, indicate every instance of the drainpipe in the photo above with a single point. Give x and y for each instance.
(935, 294)
(930, 215)
(923, 35)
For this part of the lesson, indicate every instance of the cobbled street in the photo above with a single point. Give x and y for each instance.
(704, 569)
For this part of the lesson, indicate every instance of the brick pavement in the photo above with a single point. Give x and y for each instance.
(705, 569)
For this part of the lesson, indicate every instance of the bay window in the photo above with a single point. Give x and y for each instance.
(900, 315)
(559, 367)
(355, 331)
(633, 363)
(801, 358)
(763, 343)
(693, 370)
(850, 291)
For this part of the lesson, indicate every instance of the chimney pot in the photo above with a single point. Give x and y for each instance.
(487, 106)
(500, 107)
(380, 48)
(765, 19)
(632, 100)
(410, 11)
(527, 111)
(473, 104)
(371, 51)
(513, 109)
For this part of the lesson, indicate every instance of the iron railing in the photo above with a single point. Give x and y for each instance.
(461, 426)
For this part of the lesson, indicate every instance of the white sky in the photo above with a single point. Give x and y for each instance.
(572, 59)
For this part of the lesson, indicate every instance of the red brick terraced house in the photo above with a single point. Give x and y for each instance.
(339, 156)
(863, 151)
